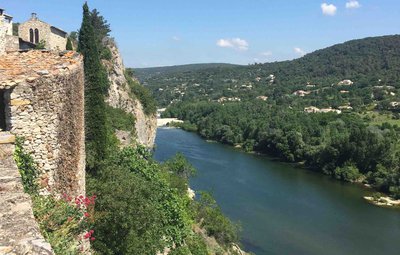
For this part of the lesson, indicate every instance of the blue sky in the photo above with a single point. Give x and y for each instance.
(171, 32)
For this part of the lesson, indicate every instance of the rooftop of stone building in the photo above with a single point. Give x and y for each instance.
(17, 67)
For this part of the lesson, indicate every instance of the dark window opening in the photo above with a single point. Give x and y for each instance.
(36, 35)
(3, 113)
(31, 35)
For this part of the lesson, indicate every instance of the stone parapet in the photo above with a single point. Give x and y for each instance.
(19, 232)
(44, 103)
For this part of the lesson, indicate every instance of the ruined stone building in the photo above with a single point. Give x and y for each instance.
(30, 34)
(35, 31)
(42, 100)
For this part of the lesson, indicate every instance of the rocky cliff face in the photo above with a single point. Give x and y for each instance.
(120, 96)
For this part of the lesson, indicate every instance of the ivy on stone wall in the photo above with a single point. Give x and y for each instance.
(27, 167)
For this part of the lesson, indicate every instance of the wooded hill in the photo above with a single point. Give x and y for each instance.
(372, 65)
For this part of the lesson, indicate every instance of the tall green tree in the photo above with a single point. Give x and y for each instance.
(96, 86)
(69, 44)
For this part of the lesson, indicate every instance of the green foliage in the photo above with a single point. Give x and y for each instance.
(106, 54)
(139, 213)
(348, 172)
(371, 63)
(41, 45)
(324, 142)
(187, 126)
(96, 86)
(179, 166)
(61, 221)
(15, 28)
(69, 44)
(27, 167)
(177, 171)
(143, 94)
(197, 245)
(119, 119)
(214, 222)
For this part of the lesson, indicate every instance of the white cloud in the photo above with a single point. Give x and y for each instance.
(266, 53)
(176, 38)
(234, 43)
(299, 51)
(328, 9)
(353, 4)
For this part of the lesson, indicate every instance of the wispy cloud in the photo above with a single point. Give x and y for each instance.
(176, 38)
(234, 43)
(299, 51)
(353, 5)
(328, 9)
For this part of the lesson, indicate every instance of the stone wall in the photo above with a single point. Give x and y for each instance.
(3, 33)
(47, 109)
(54, 41)
(12, 43)
(120, 96)
(57, 40)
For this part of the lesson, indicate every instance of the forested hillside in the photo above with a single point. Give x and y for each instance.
(369, 65)
(334, 111)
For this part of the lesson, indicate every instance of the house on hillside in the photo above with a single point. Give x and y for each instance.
(345, 83)
(301, 93)
(36, 31)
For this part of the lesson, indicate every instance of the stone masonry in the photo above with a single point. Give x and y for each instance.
(55, 38)
(19, 232)
(44, 104)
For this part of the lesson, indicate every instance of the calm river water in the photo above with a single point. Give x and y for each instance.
(284, 210)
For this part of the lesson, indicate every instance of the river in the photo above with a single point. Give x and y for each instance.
(282, 209)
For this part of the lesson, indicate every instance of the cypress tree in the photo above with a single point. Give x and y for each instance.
(96, 86)
(69, 44)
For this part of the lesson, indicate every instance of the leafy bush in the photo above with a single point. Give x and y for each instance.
(27, 167)
(214, 221)
(139, 213)
(119, 119)
(349, 172)
(62, 221)
(105, 54)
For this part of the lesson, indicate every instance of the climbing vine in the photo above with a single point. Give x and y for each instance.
(27, 167)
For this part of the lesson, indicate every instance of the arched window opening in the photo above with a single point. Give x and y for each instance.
(36, 35)
(31, 35)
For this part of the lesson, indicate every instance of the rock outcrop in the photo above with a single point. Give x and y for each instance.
(121, 96)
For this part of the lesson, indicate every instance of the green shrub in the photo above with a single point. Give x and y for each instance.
(27, 167)
(62, 221)
(105, 54)
(215, 222)
(197, 245)
(349, 172)
(119, 119)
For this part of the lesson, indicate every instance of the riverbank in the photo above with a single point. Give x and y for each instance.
(283, 210)
(379, 200)
(163, 122)
(383, 201)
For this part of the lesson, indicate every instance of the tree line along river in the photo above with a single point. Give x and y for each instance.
(283, 209)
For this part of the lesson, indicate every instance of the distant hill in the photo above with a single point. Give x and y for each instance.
(146, 73)
(372, 64)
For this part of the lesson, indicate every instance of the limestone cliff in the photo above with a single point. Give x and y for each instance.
(120, 96)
